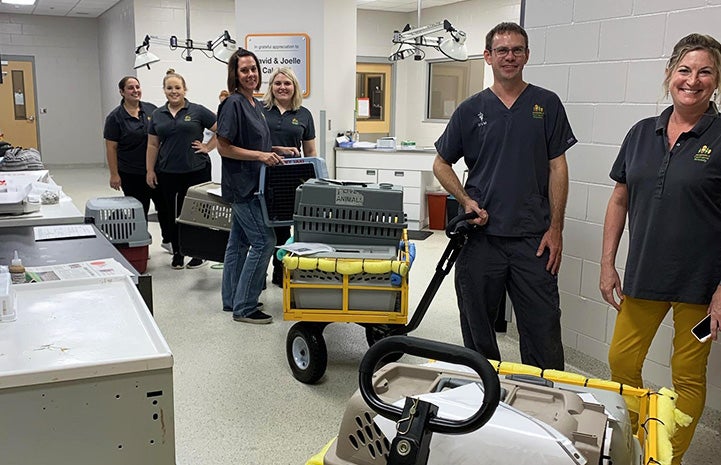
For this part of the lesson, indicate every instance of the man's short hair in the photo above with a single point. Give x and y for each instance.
(505, 28)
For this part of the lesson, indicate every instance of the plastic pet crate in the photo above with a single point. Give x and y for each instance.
(204, 223)
(339, 213)
(122, 221)
(278, 184)
(330, 298)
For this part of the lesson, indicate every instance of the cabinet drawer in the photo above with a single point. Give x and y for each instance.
(412, 211)
(400, 177)
(357, 174)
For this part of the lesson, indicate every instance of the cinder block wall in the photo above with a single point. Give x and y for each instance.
(606, 61)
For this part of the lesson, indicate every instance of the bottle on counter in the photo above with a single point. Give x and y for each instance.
(17, 270)
(7, 297)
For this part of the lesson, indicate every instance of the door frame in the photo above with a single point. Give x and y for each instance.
(31, 60)
(384, 61)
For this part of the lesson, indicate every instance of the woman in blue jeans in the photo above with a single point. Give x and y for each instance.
(244, 145)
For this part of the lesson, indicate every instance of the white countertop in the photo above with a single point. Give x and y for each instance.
(70, 330)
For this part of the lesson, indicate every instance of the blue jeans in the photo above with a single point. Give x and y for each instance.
(250, 247)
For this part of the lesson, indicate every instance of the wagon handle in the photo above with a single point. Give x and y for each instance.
(439, 351)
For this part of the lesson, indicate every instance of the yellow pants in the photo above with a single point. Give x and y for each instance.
(636, 326)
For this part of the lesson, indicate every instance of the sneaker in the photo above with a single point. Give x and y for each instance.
(228, 309)
(256, 318)
(195, 263)
(167, 246)
(178, 261)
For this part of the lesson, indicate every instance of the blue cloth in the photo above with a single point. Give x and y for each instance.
(250, 247)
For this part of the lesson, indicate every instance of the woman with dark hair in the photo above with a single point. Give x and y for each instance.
(244, 144)
(126, 140)
(175, 146)
(668, 182)
(291, 129)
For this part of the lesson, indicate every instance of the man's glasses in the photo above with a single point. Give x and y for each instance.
(503, 51)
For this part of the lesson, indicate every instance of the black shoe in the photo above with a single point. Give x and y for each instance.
(256, 318)
(177, 263)
(195, 263)
(228, 309)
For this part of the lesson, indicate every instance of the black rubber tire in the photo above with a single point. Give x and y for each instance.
(306, 352)
(375, 333)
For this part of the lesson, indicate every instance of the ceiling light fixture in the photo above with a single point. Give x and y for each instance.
(411, 41)
(221, 48)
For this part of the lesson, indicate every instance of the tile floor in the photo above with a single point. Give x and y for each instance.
(236, 401)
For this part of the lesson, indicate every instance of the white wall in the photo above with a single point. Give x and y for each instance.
(330, 24)
(375, 31)
(606, 60)
(116, 42)
(68, 85)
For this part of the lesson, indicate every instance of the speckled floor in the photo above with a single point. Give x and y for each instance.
(236, 401)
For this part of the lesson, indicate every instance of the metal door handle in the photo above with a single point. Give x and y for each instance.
(31, 118)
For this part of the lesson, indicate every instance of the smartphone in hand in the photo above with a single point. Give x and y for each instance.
(702, 330)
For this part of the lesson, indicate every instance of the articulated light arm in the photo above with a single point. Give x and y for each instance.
(221, 48)
(410, 41)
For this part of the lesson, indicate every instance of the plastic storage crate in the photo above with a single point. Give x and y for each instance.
(324, 297)
(122, 221)
(204, 223)
(335, 213)
(278, 184)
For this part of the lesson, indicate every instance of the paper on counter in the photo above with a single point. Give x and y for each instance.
(63, 231)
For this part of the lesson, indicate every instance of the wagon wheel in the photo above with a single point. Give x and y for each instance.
(306, 352)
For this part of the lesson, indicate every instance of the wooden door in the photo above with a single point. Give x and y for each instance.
(18, 118)
(373, 82)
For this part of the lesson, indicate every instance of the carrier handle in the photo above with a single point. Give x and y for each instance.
(439, 351)
(454, 228)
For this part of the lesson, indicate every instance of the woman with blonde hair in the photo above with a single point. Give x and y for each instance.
(292, 133)
(176, 148)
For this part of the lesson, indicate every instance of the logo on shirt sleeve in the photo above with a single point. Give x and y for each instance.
(703, 154)
(537, 111)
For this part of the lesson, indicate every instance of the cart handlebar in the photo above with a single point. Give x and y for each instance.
(439, 351)
(455, 224)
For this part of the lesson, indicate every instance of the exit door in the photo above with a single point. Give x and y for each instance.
(18, 118)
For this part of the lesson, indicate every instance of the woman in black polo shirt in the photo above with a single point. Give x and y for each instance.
(291, 129)
(175, 146)
(668, 182)
(126, 140)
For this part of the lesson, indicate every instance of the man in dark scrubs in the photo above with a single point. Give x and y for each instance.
(513, 137)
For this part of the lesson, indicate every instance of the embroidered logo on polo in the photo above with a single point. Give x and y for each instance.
(295, 121)
(187, 118)
(481, 119)
(537, 111)
(703, 154)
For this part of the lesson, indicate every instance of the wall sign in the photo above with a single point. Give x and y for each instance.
(282, 51)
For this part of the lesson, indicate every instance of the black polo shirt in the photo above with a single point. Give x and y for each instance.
(291, 128)
(507, 153)
(176, 154)
(244, 126)
(131, 134)
(674, 209)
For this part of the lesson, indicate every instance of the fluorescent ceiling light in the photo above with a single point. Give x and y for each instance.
(19, 2)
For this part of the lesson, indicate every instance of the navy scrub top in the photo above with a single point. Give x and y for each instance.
(507, 151)
(244, 126)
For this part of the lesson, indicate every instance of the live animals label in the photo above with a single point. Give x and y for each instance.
(348, 197)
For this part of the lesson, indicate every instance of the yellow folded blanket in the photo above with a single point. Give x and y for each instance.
(346, 266)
